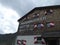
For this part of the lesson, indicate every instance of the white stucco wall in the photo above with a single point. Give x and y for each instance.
(28, 38)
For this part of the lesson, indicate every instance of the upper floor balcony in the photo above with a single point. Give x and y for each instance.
(33, 20)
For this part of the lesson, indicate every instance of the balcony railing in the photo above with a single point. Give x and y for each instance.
(26, 27)
(34, 20)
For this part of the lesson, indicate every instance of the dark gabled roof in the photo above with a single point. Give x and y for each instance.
(53, 6)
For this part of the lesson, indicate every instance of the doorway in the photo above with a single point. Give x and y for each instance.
(53, 42)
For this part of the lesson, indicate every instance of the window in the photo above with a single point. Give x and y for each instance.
(44, 18)
(50, 24)
(24, 18)
(39, 40)
(40, 25)
(22, 26)
(35, 26)
(35, 15)
(45, 12)
(49, 11)
(27, 26)
(28, 17)
(21, 42)
(31, 27)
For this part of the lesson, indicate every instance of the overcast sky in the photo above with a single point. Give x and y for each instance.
(12, 10)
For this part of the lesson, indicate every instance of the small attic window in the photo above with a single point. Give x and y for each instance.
(24, 18)
(49, 11)
(36, 15)
(28, 17)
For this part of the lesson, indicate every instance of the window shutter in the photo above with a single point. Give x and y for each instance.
(51, 10)
(40, 25)
(35, 40)
(24, 42)
(37, 14)
(51, 24)
(18, 42)
(35, 26)
(43, 41)
(45, 12)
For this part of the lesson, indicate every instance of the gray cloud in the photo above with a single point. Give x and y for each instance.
(1, 31)
(12, 4)
(20, 6)
(23, 6)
